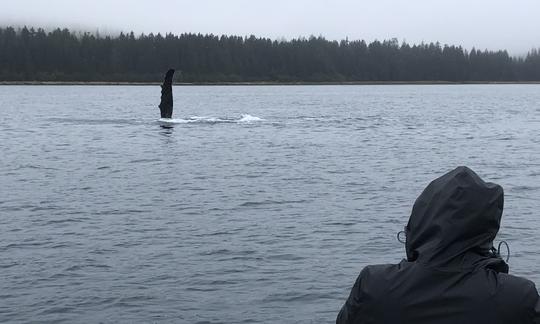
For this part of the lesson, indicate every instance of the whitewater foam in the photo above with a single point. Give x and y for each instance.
(244, 118)
(173, 121)
(248, 118)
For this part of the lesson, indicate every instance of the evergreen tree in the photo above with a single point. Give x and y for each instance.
(61, 55)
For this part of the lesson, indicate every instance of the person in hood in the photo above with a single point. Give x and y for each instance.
(451, 274)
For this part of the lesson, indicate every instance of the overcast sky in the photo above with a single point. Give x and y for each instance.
(492, 24)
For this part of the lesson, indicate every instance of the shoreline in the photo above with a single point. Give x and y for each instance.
(260, 83)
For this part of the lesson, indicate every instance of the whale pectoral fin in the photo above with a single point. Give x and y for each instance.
(166, 104)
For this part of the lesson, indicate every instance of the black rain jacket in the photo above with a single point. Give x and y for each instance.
(450, 276)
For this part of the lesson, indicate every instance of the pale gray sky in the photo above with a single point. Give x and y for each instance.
(493, 24)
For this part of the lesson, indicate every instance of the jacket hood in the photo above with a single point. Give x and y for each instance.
(456, 215)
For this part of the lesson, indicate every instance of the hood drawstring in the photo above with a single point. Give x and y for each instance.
(495, 252)
(401, 237)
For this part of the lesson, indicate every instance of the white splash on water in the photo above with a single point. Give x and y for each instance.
(248, 118)
(173, 121)
(244, 118)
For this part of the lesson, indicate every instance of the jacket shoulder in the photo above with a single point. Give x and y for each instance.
(365, 292)
(510, 283)
(378, 270)
(375, 279)
(518, 294)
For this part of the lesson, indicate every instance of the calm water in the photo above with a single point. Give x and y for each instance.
(105, 216)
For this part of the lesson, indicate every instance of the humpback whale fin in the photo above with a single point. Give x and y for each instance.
(166, 104)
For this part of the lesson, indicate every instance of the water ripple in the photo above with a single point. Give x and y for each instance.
(105, 216)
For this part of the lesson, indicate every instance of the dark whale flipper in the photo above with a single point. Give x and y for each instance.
(166, 104)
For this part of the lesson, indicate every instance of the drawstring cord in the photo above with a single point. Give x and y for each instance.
(496, 252)
(399, 236)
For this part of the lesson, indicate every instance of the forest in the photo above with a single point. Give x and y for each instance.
(28, 54)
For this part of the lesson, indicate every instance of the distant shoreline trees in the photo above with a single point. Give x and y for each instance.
(27, 54)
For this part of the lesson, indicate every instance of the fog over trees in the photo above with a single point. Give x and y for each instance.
(29, 54)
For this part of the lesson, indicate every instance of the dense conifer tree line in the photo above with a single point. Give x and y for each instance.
(61, 55)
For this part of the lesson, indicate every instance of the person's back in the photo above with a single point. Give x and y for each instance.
(451, 274)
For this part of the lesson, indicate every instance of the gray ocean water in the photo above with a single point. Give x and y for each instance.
(260, 204)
